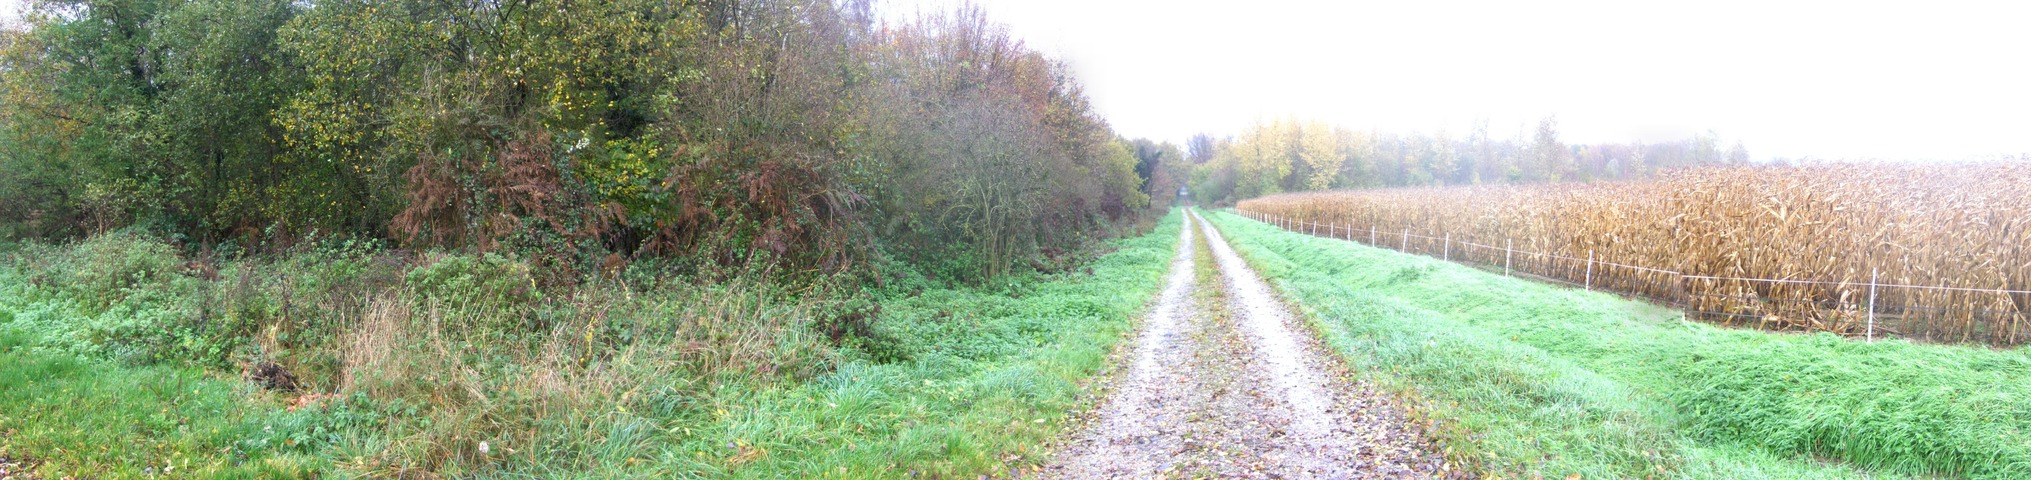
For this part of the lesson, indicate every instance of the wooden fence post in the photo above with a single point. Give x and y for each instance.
(1590, 269)
(1874, 274)
(1449, 246)
(1508, 252)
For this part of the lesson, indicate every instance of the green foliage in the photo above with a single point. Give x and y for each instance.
(1121, 180)
(162, 111)
(129, 296)
(107, 268)
(1531, 379)
(721, 133)
(122, 295)
(471, 280)
(1162, 168)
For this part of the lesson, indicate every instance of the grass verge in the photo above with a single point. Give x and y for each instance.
(1525, 379)
(118, 359)
(86, 419)
(985, 377)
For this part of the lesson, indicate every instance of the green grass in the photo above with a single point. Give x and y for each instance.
(989, 376)
(115, 362)
(1526, 379)
(82, 418)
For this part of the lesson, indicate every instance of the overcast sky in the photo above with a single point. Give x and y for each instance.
(10, 10)
(1793, 79)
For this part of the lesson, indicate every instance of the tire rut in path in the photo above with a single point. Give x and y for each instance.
(1226, 383)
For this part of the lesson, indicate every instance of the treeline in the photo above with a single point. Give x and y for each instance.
(1290, 155)
(586, 133)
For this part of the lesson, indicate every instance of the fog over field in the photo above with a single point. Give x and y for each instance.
(1789, 79)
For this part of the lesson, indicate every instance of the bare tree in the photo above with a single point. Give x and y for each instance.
(1200, 149)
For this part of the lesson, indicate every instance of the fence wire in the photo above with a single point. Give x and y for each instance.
(1859, 309)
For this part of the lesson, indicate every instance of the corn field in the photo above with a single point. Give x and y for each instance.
(1930, 252)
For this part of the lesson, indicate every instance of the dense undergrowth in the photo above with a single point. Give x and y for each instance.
(1527, 379)
(353, 359)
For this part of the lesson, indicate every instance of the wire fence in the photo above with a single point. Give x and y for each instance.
(1868, 309)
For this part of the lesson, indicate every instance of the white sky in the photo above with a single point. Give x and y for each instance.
(10, 10)
(1792, 79)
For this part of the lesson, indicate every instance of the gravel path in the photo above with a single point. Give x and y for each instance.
(1226, 383)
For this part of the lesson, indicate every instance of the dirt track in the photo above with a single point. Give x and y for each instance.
(1225, 382)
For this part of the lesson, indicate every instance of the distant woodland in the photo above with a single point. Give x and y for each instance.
(1291, 155)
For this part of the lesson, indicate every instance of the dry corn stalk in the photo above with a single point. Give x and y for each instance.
(1783, 248)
